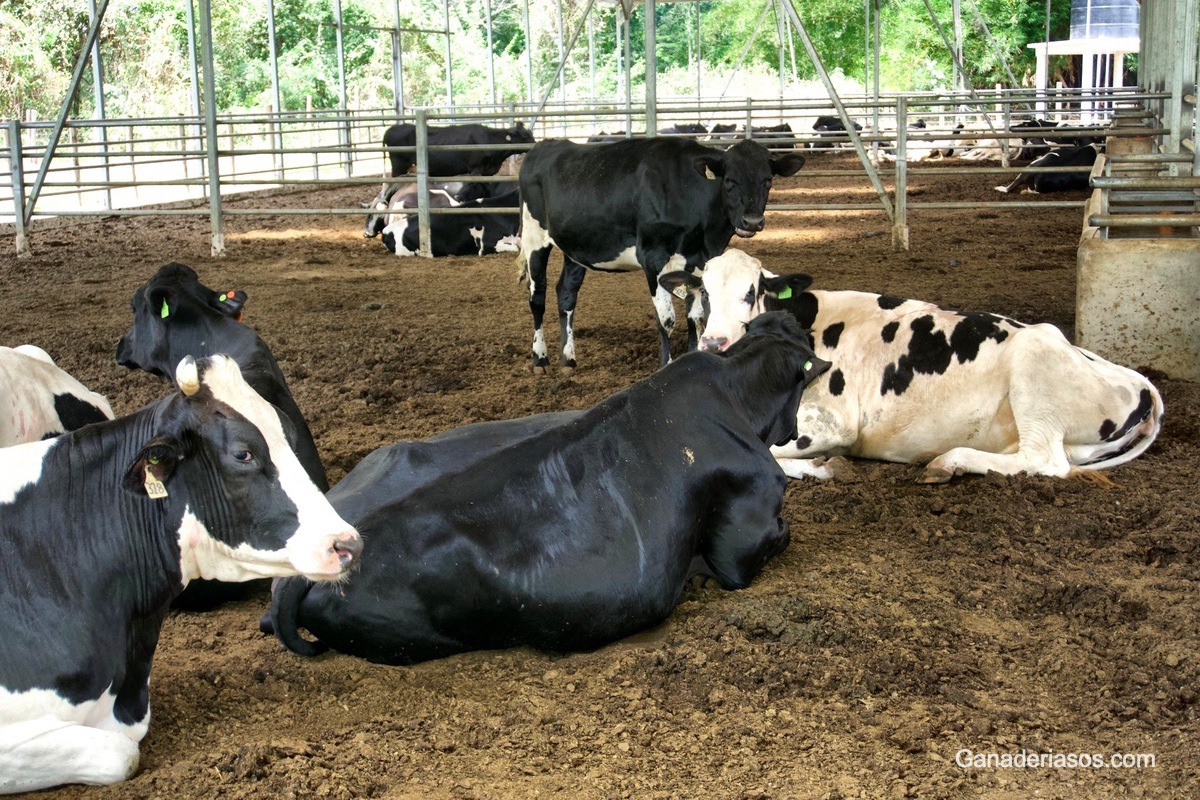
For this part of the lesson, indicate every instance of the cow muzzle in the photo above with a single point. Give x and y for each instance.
(339, 555)
(750, 226)
(715, 344)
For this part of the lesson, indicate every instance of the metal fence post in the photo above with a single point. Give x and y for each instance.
(17, 168)
(426, 245)
(210, 133)
(900, 210)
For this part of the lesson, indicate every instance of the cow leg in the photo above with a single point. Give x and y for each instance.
(1040, 452)
(537, 304)
(695, 319)
(41, 753)
(823, 430)
(569, 281)
(745, 540)
(655, 262)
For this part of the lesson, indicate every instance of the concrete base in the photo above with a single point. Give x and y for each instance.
(1137, 302)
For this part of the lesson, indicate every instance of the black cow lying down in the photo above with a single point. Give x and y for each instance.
(582, 533)
(479, 233)
(1050, 182)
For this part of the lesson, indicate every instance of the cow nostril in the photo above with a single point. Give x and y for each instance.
(347, 550)
(715, 344)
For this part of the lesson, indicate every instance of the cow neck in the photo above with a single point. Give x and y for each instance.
(233, 339)
(801, 305)
(128, 540)
(762, 382)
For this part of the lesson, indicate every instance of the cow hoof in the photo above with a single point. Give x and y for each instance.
(837, 466)
(567, 370)
(935, 475)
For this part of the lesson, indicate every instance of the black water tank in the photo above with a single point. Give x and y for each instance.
(1095, 19)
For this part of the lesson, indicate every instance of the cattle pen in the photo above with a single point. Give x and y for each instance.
(996, 636)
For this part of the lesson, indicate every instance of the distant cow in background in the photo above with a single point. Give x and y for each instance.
(38, 400)
(477, 234)
(1050, 182)
(653, 205)
(445, 163)
(832, 131)
(690, 129)
(441, 195)
(974, 392)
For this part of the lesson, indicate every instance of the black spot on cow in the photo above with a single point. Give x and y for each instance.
(74, 413)
(1136, 417)
(803, 306)
(972, 331)
(832, 335)
(837, 382)
(889, 331)
(1106, 429)
(887, 302)
(803, 442)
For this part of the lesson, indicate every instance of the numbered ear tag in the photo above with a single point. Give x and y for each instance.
(680, 292)
(154, 487)
(708, 173)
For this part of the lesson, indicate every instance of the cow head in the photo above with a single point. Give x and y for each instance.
(217, 457)
(377, 218)
(735, 290)
(173, 300)
(774, 362)
(519, 134)
(745, 171)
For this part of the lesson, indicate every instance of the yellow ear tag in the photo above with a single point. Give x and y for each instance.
(154, 487)
(708, 173)
(680, 291)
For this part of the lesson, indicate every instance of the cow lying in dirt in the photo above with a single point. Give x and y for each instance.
(914, 382)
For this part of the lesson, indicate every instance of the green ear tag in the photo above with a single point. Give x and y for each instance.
(807, 366)
(222, 298)
(783, 295)
(166, 312)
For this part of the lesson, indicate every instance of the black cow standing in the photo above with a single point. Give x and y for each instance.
(653, 204)
(174, 315)
(585, 532)
(445, 163)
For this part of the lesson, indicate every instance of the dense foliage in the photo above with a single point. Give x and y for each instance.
(144, 46)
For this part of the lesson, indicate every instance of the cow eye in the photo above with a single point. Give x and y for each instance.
(243, 457)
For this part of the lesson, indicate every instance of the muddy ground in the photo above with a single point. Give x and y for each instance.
(903, 624)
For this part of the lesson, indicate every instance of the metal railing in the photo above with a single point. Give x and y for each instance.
(160, 166)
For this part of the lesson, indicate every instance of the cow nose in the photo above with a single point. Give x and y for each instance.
(348, 549)
(754, 223)
(715, 343)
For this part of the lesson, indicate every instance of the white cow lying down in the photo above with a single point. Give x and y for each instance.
(912, 382)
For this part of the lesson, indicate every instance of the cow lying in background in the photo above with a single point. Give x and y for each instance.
(584, 532)
(476, 234)
(102, 527)
(651, 204)
(451, 194)
(38, 400)
(973, 392)
(174, 315)
(1050, 182)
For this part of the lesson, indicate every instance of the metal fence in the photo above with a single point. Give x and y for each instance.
(165, 166)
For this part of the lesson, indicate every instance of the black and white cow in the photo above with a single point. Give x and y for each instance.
(583, 533)
(653, 204)
(476, 234)
(102, 527)
(912, 382)
(1050, 182)
(38, 400)
(441, 195)
(832, 131)
(444, 163)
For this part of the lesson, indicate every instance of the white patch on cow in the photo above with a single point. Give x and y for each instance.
(47, 741)
(29, 380)
(663, 303)
(626, 261)
(539, 344)
(533, 235)
(310, 550)
(508, 244)
(34, 352)
(477, 235)
(569, 346)
(396, 229)
(21, 466)
(804, 468)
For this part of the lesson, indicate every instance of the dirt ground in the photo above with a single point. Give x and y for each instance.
(904, 623)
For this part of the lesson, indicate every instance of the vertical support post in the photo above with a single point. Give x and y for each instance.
(98, 96)
(699, 62)
(619, 46)
(277, 128)
(210, 132)
(651, 68)
(425, 249)
(960, 80)
(491, 52)
(779, 23)
(900, 214)
(562, 66)
(875, 31)
(591, 28)
(17, 169)
(449, 58)
(528, 57)
(194, 69)
(628, 74)
(398, 63)
(343, 106)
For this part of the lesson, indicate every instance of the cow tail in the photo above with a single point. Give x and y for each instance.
(1133, 447)
(285, 616)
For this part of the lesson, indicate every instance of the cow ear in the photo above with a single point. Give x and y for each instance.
(710, 166)
(153, 466)
(788, 164)
(678, 278)
(781, 287)
(229, 303)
